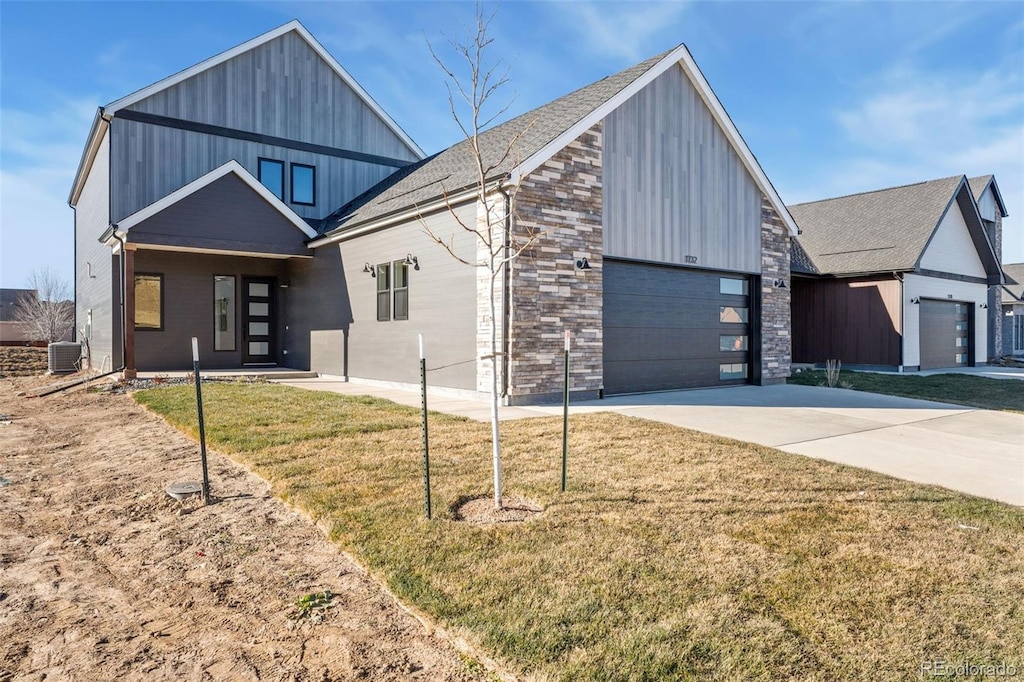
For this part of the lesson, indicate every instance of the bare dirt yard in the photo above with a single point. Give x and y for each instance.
(103, 576)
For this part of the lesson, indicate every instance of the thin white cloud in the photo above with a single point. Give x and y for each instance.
(621, 30)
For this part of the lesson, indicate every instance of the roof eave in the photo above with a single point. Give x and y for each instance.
(100, 123)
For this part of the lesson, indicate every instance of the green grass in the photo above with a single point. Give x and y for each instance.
(675, 555)
(960, 389)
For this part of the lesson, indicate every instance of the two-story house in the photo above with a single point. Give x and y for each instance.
(261, 202)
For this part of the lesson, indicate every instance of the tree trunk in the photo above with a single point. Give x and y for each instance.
(495, 441)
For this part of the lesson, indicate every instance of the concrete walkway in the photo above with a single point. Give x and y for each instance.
(980, 452)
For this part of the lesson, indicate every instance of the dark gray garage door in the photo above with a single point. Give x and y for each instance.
(945, 334)
(667, 327)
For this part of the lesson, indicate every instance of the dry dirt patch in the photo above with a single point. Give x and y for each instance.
(103, 576)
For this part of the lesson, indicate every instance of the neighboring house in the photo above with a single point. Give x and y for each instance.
(12, 332)
(664, 249)
(1012, 310)
(900, 278)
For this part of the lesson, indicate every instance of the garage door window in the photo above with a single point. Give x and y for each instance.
(732, 286)
(729, 313)
(732, 343)
(736, 370)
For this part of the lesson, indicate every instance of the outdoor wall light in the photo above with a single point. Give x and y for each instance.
(779, 283)
(413, 261)
(984, 306)
(284, 284)
(368, 268)
(583, 264)
(916, 300)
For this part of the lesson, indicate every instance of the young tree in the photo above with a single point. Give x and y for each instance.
(472, 85)
(50, 314)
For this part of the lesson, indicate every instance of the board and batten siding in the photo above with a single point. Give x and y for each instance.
(281, 88)
(150, 162)
(97, 272)
(919, 286)
(951, 248)
(675, 191)
(442, 304)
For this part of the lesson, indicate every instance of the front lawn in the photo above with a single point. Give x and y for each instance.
(960, 389)
(676, 554)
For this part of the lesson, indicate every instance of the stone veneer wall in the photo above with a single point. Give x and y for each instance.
(562, 200)
(776, 340)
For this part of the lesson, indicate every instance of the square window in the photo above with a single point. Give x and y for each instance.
(732, 286)
(149, 302)
(303, 184)
(732, 343)
(735, 370)
(271, 176)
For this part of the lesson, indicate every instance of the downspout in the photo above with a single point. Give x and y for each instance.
(124, 325)
(903, 322)
(506, 287)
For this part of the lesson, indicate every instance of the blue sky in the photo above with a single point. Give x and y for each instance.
(833, 98)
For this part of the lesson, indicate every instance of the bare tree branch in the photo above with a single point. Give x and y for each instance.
(49, 314)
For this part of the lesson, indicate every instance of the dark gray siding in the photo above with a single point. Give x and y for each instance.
(97, 276)
(442, 304)
(282, 89)
(188, 308)
(228, 215)
(662, 328)
(674, 187)
(319, 312)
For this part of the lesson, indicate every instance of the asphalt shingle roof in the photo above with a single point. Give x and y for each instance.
(1014, 282)
(453, 168)
(877, 231)
(978, 185)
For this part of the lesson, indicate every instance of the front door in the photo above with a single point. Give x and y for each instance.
(259, 321)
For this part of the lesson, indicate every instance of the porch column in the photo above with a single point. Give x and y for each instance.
(129, 311)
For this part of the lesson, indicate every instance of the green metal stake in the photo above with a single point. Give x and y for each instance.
(565, 416)
(202, 429)
(426, 437)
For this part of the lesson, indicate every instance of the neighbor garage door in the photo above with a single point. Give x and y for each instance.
(945, 334)
(668, 327)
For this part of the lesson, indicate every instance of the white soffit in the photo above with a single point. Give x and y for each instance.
(123, 226)
(294, 25)
(680, 56)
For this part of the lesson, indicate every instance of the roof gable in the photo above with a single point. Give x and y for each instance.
(231, 167)
(1014, 285)
(544, 131)
(985, 188)
(886, 230)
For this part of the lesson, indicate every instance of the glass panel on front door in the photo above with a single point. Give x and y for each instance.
(259, 325)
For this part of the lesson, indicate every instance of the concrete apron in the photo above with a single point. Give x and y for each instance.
(979, 452)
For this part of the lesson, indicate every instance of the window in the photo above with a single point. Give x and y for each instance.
(731, 343)
(149, 302)
(271, 176)
(735, 370)
(303, 184)
(383, 292)
(223, 312)
(729, 314)
(732, 286)
(401, 290)
(1018, 332)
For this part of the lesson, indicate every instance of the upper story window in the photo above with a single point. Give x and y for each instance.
(303, 184)
(271, 176)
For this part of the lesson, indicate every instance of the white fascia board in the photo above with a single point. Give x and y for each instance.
(683, 58)
(216, 252)
(100, 126)
(123, 226)
(415, 213)
(292, 25)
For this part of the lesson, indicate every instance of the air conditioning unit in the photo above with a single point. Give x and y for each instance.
(63, 357)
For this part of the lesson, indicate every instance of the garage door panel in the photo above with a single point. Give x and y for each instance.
(663, 329)
(945, 333)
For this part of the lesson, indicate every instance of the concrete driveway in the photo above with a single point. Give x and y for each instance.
(980, 452)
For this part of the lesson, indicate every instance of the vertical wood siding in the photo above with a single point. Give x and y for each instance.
(97, 291)
(856, 321)
(674, 187)
(281, 89)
